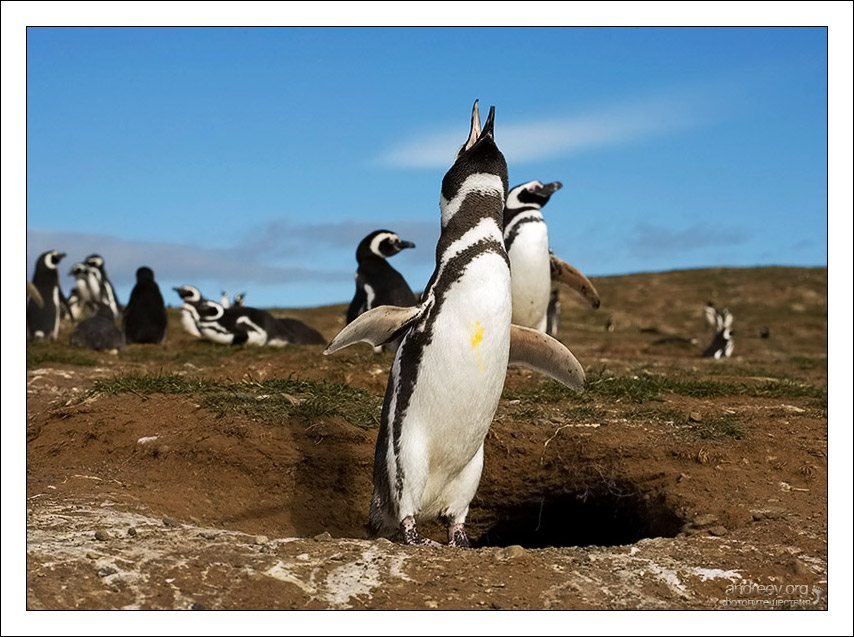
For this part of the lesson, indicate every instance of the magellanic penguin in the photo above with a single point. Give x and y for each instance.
(721, 345)
(87, 294)
(377, 283)
(240, 299)
(224, 302)
(99, 331)
(448, 373)
(535, 268)
(108, 294)
(252, 326)
(144, 317)
(43, 320)
(189, 310)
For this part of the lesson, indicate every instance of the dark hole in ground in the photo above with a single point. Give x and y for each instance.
(607, 517)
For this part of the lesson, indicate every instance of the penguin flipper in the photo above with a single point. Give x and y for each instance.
(34, 294)
(376, 326)
(569, 276)
(546, 355)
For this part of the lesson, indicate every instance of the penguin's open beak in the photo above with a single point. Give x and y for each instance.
(474, 133)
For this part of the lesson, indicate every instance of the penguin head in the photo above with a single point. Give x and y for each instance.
(532, 193)
(144, 274)
(210, 311)
(239, 299)
(479, 168)
(50, 259)
(95, 260)
(79, 270)
(381, 243)
(189, 294)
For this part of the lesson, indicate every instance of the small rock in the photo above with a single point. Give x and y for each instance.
(431, 604)
(197, 606)
(718, 530)
(207, 535)
(496, 606)
(513, 551)
(771, 513)
(799, 568)
(695, 416)
(132, 532)
(104, 571)
(261, 539)
(703, 520)
(102, 536)
(383, 540)
(92, 556)
(793, 409)
(172, 524)
(682, 476)
(323, 537)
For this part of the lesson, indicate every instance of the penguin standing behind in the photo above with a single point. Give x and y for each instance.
(87, 293)
(144, 319)
(43, 320)
(108, 294)
(99, 331)
(377, 283)
(721, 345)
(535, 269)
(448, 373)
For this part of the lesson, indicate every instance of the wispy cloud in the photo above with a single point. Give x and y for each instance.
(170, 261)
(523, 142)
(649, 240)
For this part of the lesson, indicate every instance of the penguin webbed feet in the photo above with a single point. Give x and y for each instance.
(457, 536)
(410, 534)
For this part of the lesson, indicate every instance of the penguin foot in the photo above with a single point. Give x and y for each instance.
(410, 534)
(457, 536)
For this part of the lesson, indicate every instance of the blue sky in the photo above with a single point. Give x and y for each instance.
(255, 159)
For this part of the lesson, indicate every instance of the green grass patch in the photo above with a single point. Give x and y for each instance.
(270, 400)
(41, 352)
(718, 428)
(661, 416)
(644, 387)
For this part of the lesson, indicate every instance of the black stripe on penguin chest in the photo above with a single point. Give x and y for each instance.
(412, 349)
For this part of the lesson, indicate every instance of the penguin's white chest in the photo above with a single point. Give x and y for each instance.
(188, 320)
(462, 371)
(531, 275)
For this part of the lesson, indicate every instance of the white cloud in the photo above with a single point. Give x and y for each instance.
(523, 142)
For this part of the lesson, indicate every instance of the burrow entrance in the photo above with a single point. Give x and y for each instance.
(608, 516)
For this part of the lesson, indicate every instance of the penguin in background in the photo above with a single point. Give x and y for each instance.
(721, 345)
(224, 302)
(43, 320)
(86, 295)
(99, 331)
(536, 270)
(108, 294)
(192, 298)
(33, 293)
(144, 318)
(240, 300)
(377, 283)
(448, 372)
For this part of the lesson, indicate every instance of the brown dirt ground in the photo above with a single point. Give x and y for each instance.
(604, 503)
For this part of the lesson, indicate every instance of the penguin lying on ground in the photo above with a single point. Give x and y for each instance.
(99, 331)
(144, 318)
(536, 270)
(239, 325)
(43, 318)
(448, 373)
(377, 283)
(108, 294)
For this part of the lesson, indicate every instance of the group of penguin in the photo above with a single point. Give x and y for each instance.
(536, 271)
(235, 324)
(93, 304)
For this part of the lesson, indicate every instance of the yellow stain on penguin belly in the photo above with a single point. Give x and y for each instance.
(476, 332)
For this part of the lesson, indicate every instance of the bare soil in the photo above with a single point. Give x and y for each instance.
(709, 498)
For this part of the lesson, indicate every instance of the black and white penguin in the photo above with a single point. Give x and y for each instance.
(33, 293)
(448, 373)
(553, 313)
(535, 268)
(377, 283)
(240, 300)
(224, 301)
(108, 294)
(144, 318)
(721, 345)
(87, 293)
(251, 326)
(99, 331)
(43, 320)
(192, 298)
